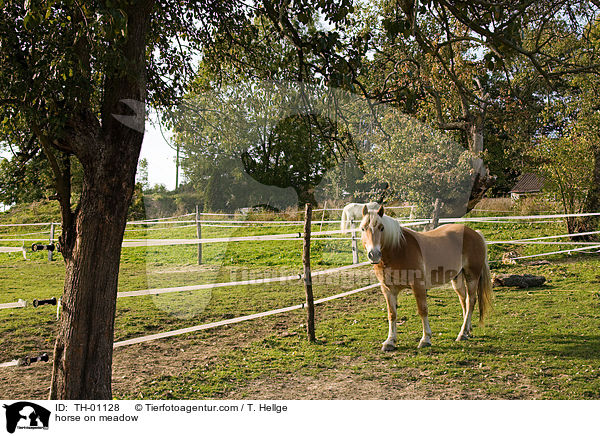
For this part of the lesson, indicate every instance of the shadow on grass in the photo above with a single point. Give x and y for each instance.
(574, 346)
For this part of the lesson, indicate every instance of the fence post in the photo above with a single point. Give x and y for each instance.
(310, 304)
(323, 216)
(354, 244)
(51, 241)
(199, 234)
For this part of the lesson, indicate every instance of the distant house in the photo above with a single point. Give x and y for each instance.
(528, 184)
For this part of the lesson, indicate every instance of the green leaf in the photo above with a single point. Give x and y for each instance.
(31, 20)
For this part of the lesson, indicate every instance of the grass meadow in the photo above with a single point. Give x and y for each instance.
(538, 343)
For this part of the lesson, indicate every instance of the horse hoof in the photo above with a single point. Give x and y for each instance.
(462, 338)
(388, 347)
(424, 344)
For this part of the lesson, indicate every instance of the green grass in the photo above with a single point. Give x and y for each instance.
(539, 343)
(41, 211)
(542, 343)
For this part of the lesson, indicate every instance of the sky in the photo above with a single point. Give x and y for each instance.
(160, 156)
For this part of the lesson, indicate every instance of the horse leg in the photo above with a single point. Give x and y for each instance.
(460, 288)
(421, 296)
(471, 288)
(391, 298)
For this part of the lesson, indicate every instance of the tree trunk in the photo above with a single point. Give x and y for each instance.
(106, 139)
(475, 144)
(476, 136)
(482, 180)
(435, 216)
(83, 350)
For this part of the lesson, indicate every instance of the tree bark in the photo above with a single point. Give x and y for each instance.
(480, 187)
(482, 179)
(435, 216)
(83, 350)
(108, 148)
(474, 131)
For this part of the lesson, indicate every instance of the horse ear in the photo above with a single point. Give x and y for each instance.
(365, 210)
(380, 210)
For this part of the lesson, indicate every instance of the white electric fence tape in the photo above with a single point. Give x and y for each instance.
(236, 283)
(233, 320)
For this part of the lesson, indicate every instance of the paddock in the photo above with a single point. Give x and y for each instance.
(205, 339)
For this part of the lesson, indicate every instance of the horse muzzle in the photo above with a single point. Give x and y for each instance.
(374, 256)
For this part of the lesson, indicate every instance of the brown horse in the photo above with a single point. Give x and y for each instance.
(406, 259)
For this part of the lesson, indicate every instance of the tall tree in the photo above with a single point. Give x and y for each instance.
(567, 150)
(273, 111)
(50, 77)
(214, 128)
(451, 56)
(297, 153)
(75, 78)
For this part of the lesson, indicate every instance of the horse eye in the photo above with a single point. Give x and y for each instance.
(381, 228)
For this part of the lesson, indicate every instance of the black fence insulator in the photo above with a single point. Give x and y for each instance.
(26, 361)
(51, 301)
(42, 247)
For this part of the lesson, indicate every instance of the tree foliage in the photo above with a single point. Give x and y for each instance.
(421, 164)
(25, 183)
(567, 151)
(258, 135)
(297, 153)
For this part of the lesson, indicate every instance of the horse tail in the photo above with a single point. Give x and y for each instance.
(484, 287)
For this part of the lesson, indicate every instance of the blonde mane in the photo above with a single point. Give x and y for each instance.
(392, 235)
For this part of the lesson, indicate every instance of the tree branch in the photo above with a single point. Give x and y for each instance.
(62, 188)
(495, 37)
(458, 125)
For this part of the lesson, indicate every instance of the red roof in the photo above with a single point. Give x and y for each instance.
(528, 182)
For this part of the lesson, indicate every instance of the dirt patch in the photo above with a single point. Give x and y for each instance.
(137, 365)
(346, 384)
(22, 383)
(342, 386)
(175, 357)
(131, 371)
(379, 382)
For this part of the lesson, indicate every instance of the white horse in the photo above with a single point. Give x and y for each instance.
(354, 212)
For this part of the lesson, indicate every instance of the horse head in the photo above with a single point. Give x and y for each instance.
(372, 227)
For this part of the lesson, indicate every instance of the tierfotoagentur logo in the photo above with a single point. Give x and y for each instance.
(25, 415)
